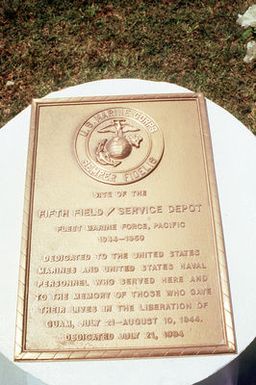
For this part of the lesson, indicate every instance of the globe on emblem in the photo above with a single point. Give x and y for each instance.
(118, 147)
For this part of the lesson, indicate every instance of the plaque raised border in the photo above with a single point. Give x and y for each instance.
(229, 345)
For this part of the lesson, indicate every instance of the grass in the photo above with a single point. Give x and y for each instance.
(47, 45)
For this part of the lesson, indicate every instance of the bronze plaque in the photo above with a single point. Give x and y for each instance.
(122, 248)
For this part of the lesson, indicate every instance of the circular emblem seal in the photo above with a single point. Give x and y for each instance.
(119, 145)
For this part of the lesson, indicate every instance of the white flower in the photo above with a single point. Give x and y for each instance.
(251, 52)
(9, 83)
(248, 19)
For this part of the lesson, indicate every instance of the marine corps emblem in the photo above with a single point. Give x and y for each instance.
(112, 151)
(119, 145)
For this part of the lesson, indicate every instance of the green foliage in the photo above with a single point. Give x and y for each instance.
(247, 33)
(52, 44)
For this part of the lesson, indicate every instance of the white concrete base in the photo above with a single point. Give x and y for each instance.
(235, 159)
